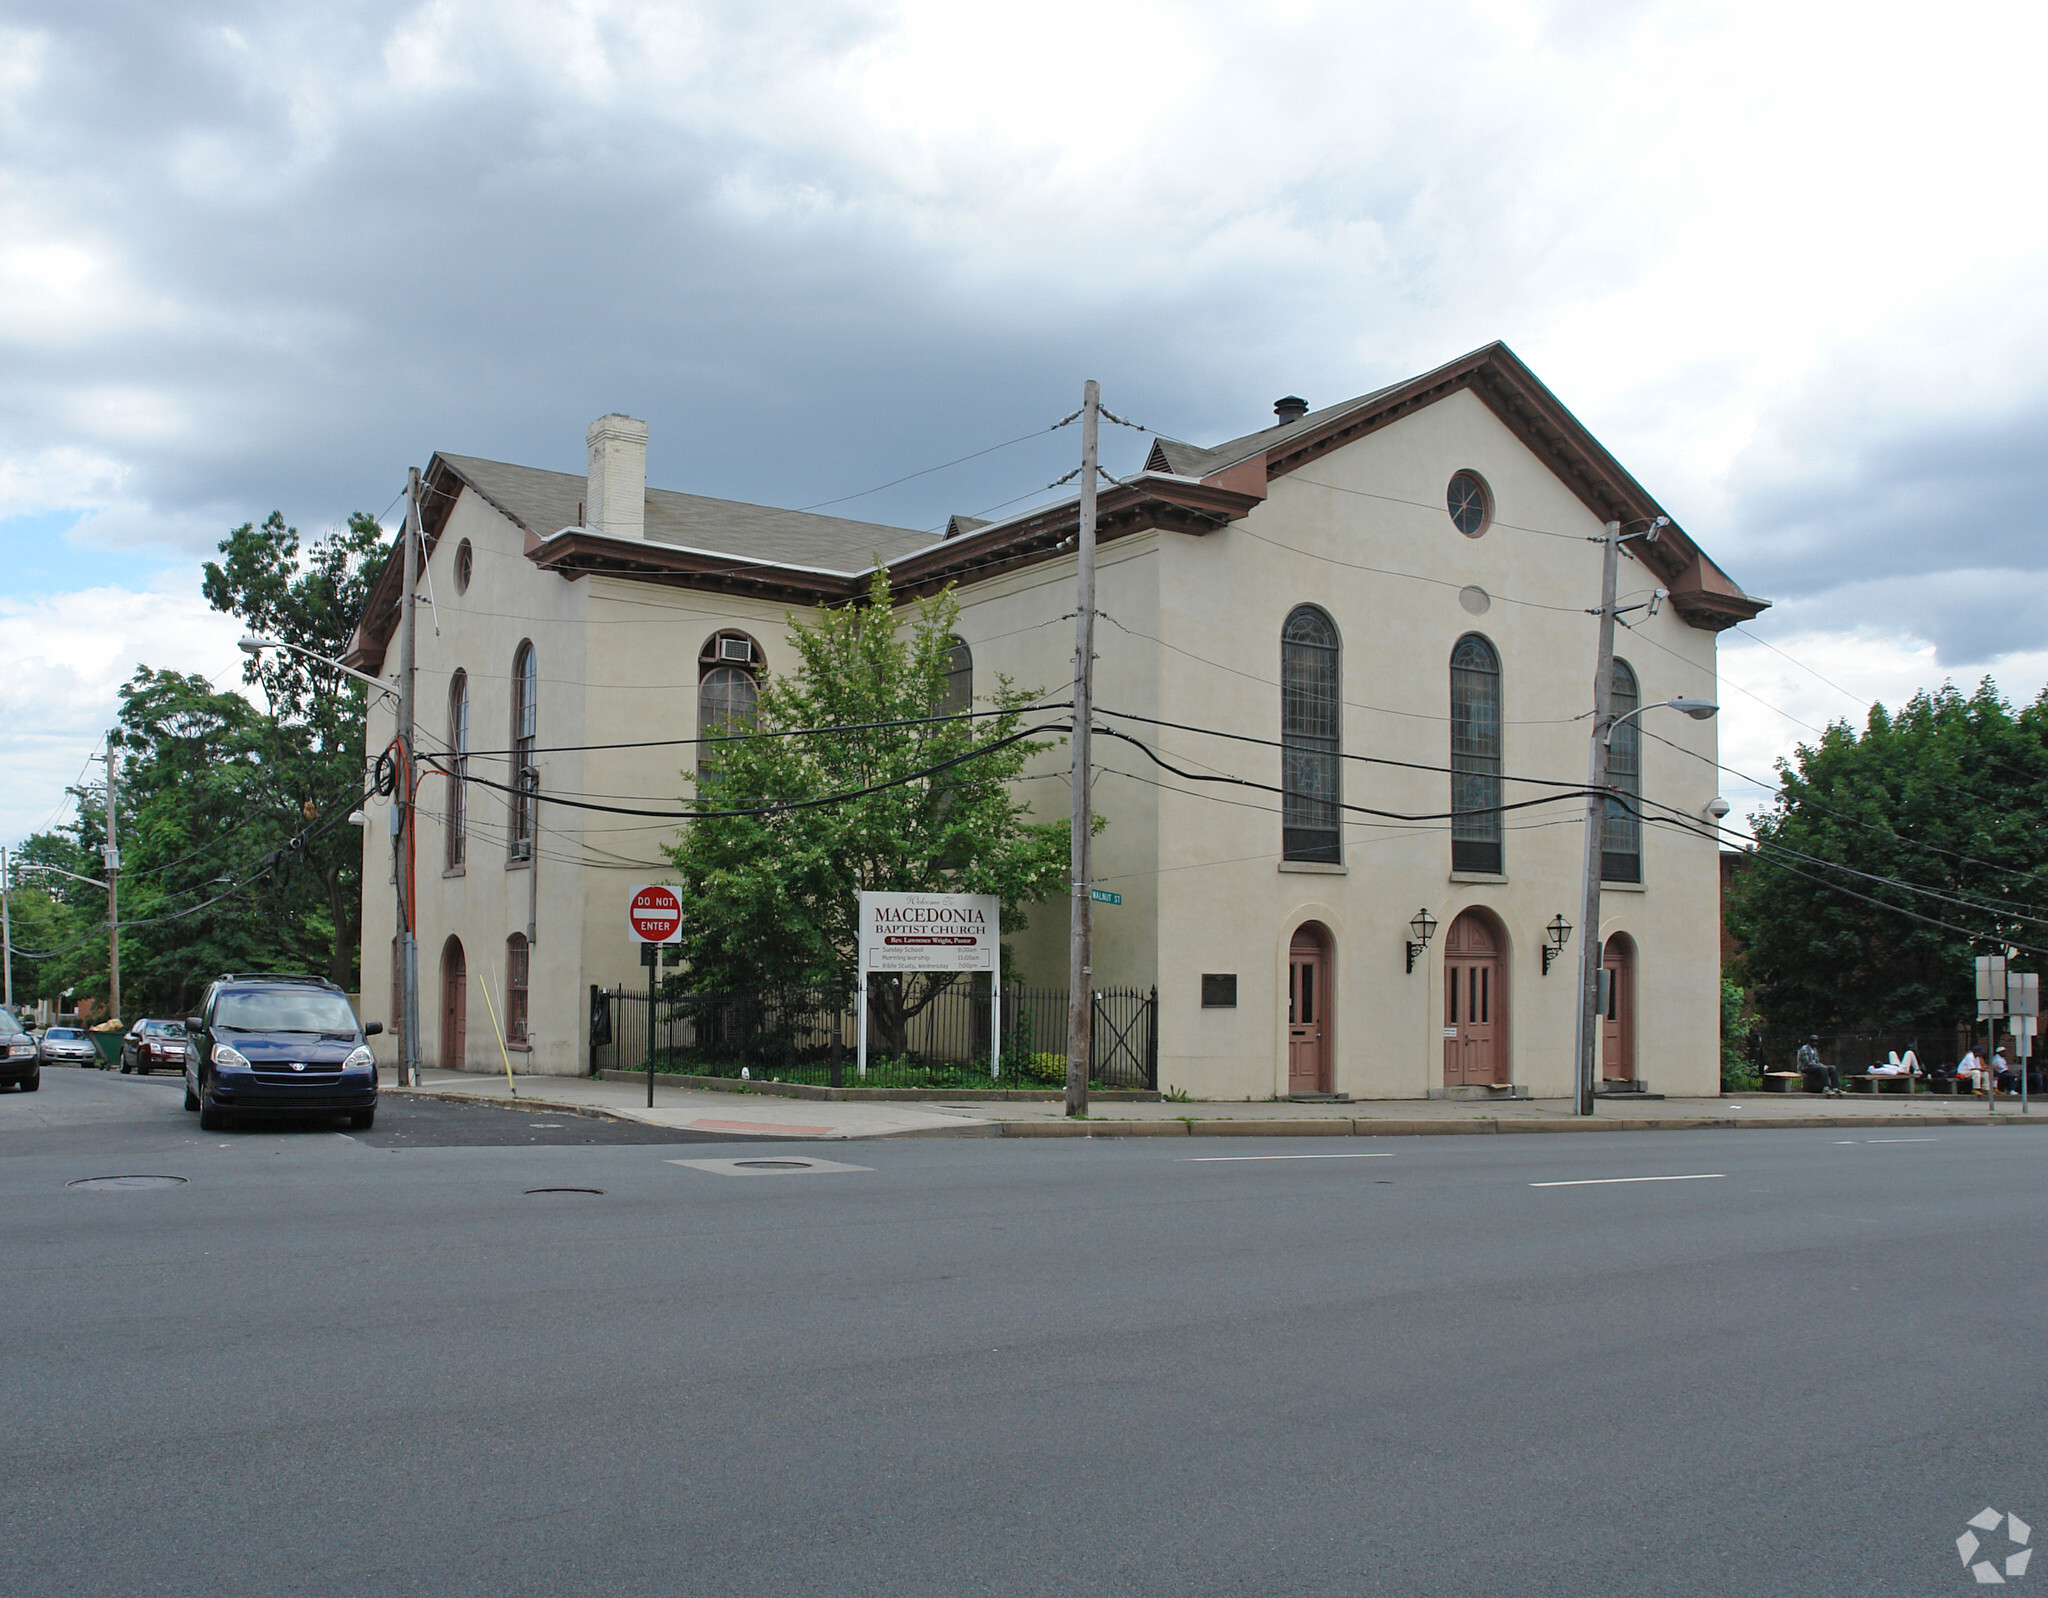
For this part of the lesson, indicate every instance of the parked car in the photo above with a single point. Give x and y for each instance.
(278, 1043)
(153, 1043)
(67, 1045)
(21, 1066)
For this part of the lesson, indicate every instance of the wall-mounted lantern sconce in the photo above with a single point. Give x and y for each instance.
(1556, 936)
(1424, 927)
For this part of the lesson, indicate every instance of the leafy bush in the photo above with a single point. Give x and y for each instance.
(1738, 1073)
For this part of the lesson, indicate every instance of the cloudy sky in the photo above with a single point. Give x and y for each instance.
(1785, 259)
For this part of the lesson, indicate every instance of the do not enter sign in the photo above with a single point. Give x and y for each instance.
(656, 914)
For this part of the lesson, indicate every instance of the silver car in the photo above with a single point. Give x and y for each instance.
(67, 1045)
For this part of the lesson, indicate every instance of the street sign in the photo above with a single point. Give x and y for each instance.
(929, 931)
(2023, 993)
(1991, 994)
(655, 913)
(1104, 896)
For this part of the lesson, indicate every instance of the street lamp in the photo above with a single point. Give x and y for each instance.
(1556, 936)
(1593, 949)
(250, 644)
(1423, 925)
(1698, 709)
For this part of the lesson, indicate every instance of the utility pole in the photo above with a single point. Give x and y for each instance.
(111, 854)
(408, 932)
(1080, 973)
(7, 925)
(1593, 947)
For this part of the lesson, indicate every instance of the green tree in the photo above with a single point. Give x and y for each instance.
(770, 898)
(1948, 795)
(311, 751)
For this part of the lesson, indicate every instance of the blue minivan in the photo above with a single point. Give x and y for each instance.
(279, 1043)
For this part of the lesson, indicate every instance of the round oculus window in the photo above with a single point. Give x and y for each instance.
(465, 563)
(1470, 504)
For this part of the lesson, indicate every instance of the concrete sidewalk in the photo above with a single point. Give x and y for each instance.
(751, 1112)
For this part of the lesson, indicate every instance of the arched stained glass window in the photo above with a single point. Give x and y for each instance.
(726, 697)
(1475, 757)
(458, 770)
(525, 730)
(959, 695)
(1621, 851)
(1311, 739)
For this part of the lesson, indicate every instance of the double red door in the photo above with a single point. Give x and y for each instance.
(1475, 1004)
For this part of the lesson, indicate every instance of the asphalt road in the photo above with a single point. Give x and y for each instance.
(326, 1363)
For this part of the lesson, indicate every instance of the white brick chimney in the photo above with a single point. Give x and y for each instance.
(617, 496)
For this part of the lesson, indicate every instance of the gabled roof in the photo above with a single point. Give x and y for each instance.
(1192, 460)
(803, 558)
(1700, 591)
(543, 503)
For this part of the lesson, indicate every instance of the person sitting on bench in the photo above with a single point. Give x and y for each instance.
(1970, 1069)
(1811, 1065)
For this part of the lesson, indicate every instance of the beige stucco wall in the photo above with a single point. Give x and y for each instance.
(1190, 633)
(1225, 598)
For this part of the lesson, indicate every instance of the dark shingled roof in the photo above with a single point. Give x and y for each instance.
(545, 502)
(1191, 460)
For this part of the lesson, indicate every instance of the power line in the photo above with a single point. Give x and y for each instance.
(944, 465)
(778, 808)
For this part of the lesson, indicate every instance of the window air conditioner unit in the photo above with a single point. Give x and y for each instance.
(739, 649)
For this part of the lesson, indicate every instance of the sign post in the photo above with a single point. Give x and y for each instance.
(2023, 998)
(654, 912)
(1991, 1001)
(932, 932)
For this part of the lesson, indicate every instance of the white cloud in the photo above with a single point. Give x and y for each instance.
(264, 257)
(62, 658)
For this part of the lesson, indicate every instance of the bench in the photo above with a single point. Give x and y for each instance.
(1784, 1082)
(1881, 1084)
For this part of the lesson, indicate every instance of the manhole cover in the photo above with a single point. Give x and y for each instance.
(773, 1165)
(124, 1184)
(594, 1190)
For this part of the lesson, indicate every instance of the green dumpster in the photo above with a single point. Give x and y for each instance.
(108, 1042)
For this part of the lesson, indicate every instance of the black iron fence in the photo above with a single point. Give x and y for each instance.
(938, 1037)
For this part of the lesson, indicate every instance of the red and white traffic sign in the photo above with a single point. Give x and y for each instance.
(656, 914)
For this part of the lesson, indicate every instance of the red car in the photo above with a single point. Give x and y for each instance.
(153, 1044)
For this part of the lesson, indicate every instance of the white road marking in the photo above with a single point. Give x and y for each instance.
(1236, 1159)
(1610, 1181)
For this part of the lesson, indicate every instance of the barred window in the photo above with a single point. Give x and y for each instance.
(458, 771)
(1475, 756)
(515, 988)
(1621, 850)
(525, 727)
(1311, 732)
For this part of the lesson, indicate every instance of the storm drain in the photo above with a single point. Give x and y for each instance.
(793, 1166)
(595, 1191)
(124, 1184)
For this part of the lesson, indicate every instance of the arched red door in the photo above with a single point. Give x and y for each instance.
(1308, 1011)
(454, 1005)
(1475, 1003)
(1618, 1024)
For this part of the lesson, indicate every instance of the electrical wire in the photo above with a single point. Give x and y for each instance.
(944, 465)
(778, 808)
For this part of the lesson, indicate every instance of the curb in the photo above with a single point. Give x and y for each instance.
(809, 1090)
(1385, 1128)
